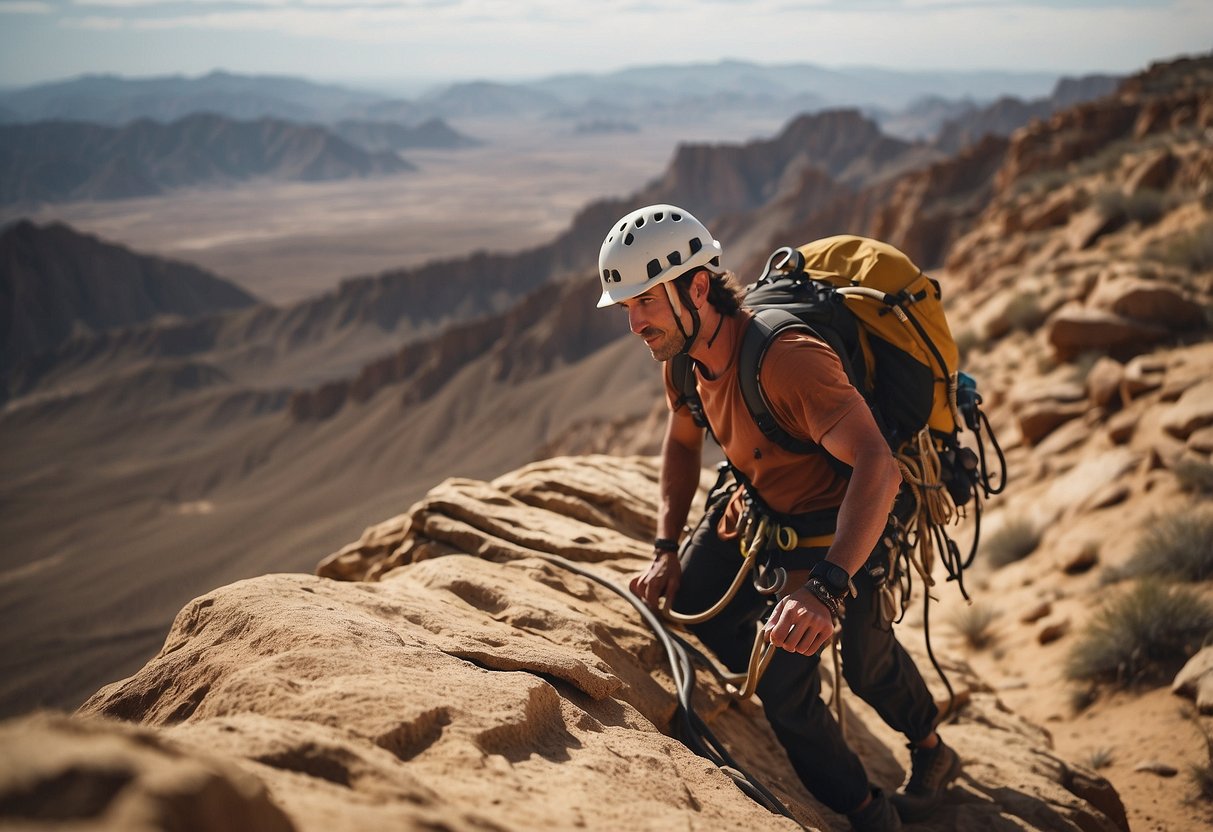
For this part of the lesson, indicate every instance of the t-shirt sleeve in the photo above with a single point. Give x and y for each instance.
(806, 386)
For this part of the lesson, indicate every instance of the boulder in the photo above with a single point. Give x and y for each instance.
(1122, 426)
(1054, 211)
(1195, 680)
(1038, 419)
(101, 774)
(1154, 173)
(1074, 329)
(1087, 226)
(1201, 441)
(1193, 411)
(1051, 631)
(1084, 560)
(1143, 374)
(1150, 301)
(1103, 382)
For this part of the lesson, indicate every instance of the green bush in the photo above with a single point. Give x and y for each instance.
(1176, 546)
(1144, 635)
(1015, 540)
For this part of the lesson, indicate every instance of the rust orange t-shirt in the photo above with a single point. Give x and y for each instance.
(808, 393)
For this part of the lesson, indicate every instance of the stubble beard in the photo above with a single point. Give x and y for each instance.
(668, 346)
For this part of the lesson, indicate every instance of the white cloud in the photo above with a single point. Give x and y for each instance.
(24, 7)
(95, 23)
(529, 38)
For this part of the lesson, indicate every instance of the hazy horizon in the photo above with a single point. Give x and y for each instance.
(418, 44)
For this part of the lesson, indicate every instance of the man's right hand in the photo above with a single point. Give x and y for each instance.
(659, 581)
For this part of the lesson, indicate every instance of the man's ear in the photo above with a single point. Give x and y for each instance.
(699, 287)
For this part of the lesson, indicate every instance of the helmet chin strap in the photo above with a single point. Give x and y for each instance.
(688, 337)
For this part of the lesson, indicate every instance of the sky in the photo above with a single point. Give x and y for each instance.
(430, 41)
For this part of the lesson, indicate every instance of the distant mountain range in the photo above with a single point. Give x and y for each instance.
(60, 160)
(377, 136)
(103, 137)
(665, 93)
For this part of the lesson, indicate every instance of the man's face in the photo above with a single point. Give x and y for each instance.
(651, 317)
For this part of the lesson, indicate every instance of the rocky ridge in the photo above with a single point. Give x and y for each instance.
(473, 682)
(57, 284)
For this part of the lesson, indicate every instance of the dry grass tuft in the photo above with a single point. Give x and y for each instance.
(1178, 546)
(973, 622)
(1015, 540)
(1143, 635)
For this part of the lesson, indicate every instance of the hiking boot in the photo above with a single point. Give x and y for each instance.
(931, 770)
(878, 816)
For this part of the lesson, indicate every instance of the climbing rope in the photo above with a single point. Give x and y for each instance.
(921, 538)
(695, 732)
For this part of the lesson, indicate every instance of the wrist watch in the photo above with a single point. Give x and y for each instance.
(833, 577)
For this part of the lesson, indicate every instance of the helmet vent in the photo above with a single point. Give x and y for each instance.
(659, 216)
(694, 244)
(628, 240)
(675, 217)
(640, 222)
(654, 268)
(615, 278)
(675, 258)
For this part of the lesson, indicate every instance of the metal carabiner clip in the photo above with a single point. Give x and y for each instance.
(781, 580)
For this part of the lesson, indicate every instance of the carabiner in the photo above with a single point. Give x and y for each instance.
(781, 580)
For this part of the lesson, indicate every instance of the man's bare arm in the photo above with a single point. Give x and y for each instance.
(681, 458)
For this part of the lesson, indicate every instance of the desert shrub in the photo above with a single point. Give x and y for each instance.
(1143, 635)
(1145, 207)
(1083, 698)
(1100, 758)
(1178, 546)
(973, 622)
(1015, 540)
(966, 341)
(1024, 312)
(1195, 476)
(1193, 250)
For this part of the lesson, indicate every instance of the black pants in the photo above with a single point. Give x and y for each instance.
(875, 666)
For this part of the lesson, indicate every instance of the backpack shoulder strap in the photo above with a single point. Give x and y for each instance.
(682, 373)
(765, 327)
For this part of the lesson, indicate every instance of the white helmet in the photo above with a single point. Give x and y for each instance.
(652, 245)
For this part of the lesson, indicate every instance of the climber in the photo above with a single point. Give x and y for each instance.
(663, 268)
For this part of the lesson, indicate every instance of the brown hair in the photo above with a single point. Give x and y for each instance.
(724, 290)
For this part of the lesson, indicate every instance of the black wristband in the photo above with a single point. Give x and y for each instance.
(665, 544)
(832, 577)
(822, 593)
